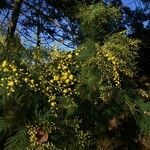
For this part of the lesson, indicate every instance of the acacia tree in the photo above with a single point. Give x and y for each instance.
(90, 94)
(54, 91)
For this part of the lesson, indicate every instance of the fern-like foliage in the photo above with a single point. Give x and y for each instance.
(17, 142)
(3, 125)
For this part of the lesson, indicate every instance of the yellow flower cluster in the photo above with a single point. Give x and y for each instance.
(64, 78)
(106, 93)
(84, 138)
(147, 113)
(37, 55)
(32, 135)
(59, 79)
(128, 72)
(9, 76)
(39, 136)
(115, 65)
(107, 61)
(30, 82)
(6, 67)
(144, 94)
(57, 76)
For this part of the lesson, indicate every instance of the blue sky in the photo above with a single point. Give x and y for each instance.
(130, 3)
(133, 3)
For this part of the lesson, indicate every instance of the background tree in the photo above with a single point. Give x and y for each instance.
(55, 23)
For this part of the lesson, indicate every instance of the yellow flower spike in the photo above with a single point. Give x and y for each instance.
(11, 83)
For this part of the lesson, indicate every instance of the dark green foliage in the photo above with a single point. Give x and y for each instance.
(101, 20)
(18, 141)
(144, 124)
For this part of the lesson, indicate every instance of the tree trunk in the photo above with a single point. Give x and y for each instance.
(14, 17)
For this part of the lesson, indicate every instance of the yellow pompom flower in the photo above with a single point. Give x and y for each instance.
(76, 54)
(16, 81)
(65, 91)
(53, 104)
(32, 81)
(64, 76)
(14, 70)
(71, 77)
(64, 67)
(25, 79)
(51, 81)
(67, 81)
(6, 70)
(11, 83)
(53, 97)
(69, 56)
(59, 67)
(56, 78)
